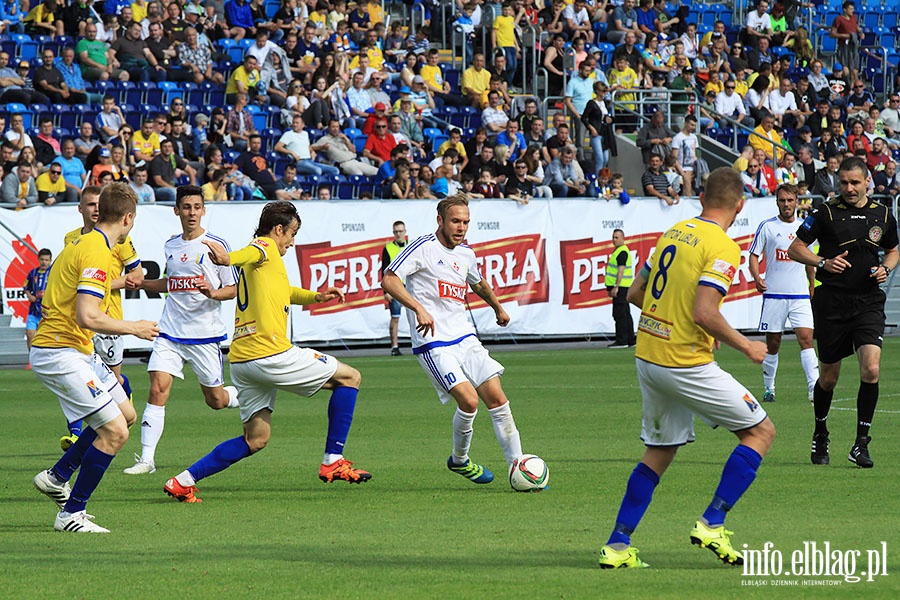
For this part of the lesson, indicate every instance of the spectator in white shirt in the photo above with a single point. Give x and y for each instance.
(758, 23)
(730, 104)
(783, 106)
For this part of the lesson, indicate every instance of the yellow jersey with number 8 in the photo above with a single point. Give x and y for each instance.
(83, 267)
(692, 253)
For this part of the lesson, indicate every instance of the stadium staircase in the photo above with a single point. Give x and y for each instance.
(13, 349)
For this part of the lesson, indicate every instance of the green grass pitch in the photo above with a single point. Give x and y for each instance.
(268, 528)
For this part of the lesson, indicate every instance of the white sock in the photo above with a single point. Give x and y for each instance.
(506, 432)
(462, 435)
(152, 424)
(810, 366)
(330, 459)
(770, 367)
(185, 478)
(232, 396)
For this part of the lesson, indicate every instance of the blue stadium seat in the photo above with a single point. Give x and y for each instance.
(828, 45)
(18, 108)
(61, 133)
(360, 143)
(271, 7)
(224, 44)
(236, 54)
(889, 18)
(871, 19)
(352, 132)
(229, 156)
(431, 132)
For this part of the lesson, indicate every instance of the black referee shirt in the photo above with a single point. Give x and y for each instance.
(862, 232)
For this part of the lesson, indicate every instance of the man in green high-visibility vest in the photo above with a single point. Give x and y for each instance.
(388, 254)
(619, 277)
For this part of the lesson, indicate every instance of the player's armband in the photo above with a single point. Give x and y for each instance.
(249, 255)
(645, 270)
(301, 296)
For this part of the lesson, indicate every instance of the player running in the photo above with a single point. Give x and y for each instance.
(263, 360)
(438, 270)
(190, 328)
(108, 347)
(62, 356)
(680, 292)
(786, 291)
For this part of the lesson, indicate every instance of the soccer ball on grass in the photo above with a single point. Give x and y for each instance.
(529, 473)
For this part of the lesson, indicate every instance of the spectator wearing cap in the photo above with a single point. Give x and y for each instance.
(803, 138)
(340, 150)
(423, 102)
(475, 81)
(379, 144)
(859, 100)
(106, 165)
(295, 144)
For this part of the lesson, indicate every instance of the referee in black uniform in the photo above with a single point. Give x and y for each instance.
(857, 251)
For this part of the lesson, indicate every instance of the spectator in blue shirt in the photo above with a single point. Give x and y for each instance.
(11, 15)
(239, 19)
(73, 170)
(514, 139)
(72, 75)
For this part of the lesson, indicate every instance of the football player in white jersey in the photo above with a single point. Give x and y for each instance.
(190, 327)
(438, 270)
(786, 291)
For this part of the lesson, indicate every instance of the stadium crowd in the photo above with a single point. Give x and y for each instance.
(255, 100)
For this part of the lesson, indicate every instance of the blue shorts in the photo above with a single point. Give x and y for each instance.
(32, 322)
(395, 308)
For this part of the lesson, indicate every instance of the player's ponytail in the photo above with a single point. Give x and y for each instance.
(276, 213)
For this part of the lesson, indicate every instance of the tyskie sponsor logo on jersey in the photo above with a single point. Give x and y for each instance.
(355, 268)
(516, 269)
(451, 291)
(184, 284)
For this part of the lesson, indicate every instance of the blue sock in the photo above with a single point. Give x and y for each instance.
(638, 494)
(340, 417)
(65, 467)
(126, 385)
(75, 428)
(223, 456)
(93, 467)
(738, 474)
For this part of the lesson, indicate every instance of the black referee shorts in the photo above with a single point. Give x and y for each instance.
(845, 321)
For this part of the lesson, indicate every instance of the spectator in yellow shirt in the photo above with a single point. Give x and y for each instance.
(476, 81)
(503, 36)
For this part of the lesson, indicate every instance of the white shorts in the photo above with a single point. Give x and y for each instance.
(301, 371)
(448, 366)
(671, 398)
(778, 311)
(205, 360)
(73, 377)
(111, 348)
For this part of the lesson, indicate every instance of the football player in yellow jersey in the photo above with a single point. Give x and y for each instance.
(263, 359)
(62, 357)
(110, 348)
(680, 292)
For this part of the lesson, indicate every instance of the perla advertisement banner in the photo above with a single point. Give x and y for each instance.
(546, 260)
